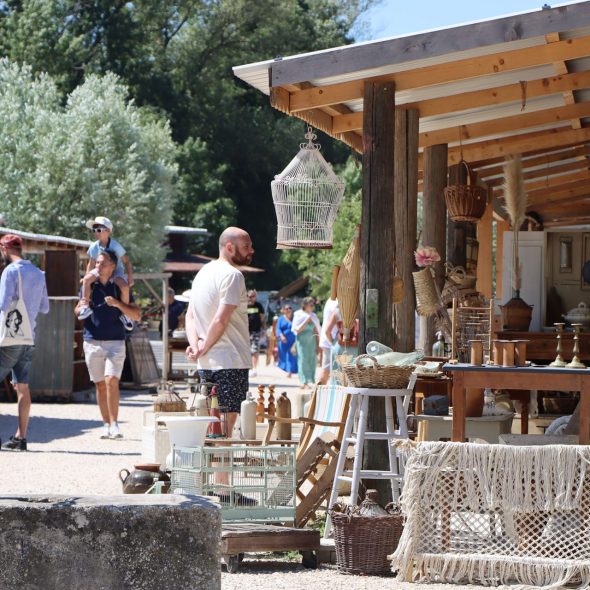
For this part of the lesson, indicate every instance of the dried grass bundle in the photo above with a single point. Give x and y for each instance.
(349, 279)
(515, 206)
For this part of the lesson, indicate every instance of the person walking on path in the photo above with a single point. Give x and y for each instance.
(104, 340)
(18, 358)
(286, 338)
(123, 276)
(306, 327)
(326, 339)
(256, 327)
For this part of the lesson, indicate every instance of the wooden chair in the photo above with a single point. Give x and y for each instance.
(318, 449)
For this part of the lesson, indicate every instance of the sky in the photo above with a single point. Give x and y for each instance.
(390, 18)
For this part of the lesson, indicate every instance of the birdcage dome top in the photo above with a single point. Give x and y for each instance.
(306, 195)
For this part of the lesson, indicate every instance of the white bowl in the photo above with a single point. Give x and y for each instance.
(188, 431)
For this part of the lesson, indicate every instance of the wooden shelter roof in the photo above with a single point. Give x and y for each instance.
(515, 84)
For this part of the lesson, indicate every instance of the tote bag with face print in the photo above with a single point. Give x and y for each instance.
(15, 327)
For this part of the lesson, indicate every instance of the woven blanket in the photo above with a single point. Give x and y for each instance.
(495, 514)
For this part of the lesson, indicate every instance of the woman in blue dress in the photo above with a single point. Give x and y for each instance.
(286, 341)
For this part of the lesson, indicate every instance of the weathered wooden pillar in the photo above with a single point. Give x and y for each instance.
(377, 249)
(405, 214)
(377, 226)
(434, 217)
(485, 231)
(458, 232)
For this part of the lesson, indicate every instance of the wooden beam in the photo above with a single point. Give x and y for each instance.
(434, 217)
(553, 195)
(479, 98)
(506, 124)
(572, 205)
(502, 291)
(519, 144)
(541, 160)
(549, 172)
(462, 69)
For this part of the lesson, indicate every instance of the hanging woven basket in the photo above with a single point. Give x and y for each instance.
(306, 196)
(466, 202)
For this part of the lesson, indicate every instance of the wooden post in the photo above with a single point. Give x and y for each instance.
(484, 258)
(434, 219)
(405, 215)
(377, 249)
(377, 217)
(501, 227)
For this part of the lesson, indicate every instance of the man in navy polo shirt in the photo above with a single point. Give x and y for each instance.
(104, 340)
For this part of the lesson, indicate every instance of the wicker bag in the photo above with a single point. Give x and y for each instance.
(364, 542)
(377, 376)
(427, 300)
(466, 202)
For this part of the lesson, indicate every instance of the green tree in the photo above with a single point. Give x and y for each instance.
(176, 58)
(97, 154)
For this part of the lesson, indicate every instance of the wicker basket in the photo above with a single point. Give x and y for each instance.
(377, 376)
(427, 301)
(364, 542)
(466, 202)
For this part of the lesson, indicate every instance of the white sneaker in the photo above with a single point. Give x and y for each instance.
(85, 312)
(105, 431)
(127, 322)
(252, 373)
(115, 431)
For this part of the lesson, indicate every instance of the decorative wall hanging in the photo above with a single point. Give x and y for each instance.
(306, 196)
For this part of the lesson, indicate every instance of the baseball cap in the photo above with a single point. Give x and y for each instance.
(100, 220)
(11, 241)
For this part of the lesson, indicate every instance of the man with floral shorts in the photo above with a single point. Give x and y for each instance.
(217, 325)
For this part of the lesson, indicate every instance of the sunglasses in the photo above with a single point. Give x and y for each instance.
(99, 230)
(288, 309)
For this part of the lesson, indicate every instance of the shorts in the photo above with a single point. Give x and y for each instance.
(18, 360)
(254, 342)
(232, 386)
(104, 358)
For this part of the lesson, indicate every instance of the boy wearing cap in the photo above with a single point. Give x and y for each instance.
(18, 358)
(102, 227)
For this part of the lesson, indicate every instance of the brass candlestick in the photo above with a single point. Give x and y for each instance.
(558, 362)
(576, 362)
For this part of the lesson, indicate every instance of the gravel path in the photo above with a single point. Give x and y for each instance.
(66, 456)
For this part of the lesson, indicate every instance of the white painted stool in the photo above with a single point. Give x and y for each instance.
(488, 428)
(359, 405)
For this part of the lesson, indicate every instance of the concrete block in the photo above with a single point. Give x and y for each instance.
(128, 542)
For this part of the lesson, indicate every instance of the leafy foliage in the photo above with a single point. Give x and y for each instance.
(175, 57)
(96, 155)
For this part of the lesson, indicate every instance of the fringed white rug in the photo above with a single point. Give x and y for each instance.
(496, 514)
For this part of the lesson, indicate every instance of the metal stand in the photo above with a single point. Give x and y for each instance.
(359, 404)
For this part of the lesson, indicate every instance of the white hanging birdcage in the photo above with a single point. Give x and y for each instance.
(306, 196)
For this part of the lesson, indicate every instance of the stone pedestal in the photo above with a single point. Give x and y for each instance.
(139, 542)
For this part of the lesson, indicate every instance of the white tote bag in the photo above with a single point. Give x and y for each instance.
(15, 327)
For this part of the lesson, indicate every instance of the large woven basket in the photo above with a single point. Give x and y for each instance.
(364, 542)
(376, 376)
(466, 202)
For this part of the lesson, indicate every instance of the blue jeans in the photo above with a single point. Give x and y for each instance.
(18, 360)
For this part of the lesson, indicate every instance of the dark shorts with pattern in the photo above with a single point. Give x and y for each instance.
(254, 342)
(232, 386)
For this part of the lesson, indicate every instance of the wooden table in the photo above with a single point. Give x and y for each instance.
(540, 378)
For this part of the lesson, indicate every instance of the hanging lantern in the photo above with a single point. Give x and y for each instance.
(306, 196)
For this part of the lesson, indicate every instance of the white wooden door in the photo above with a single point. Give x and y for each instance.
(532, 248)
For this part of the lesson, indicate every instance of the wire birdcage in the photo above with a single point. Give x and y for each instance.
(306, 196)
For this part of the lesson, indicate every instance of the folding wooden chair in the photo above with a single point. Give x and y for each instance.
(318, 449)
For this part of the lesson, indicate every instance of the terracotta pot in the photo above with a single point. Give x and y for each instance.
(516, 315)
(473, 403)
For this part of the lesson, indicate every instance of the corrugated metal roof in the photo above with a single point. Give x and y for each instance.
(81, 244)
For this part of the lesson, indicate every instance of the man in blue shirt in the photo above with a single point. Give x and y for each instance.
(18, 358)
(104, 340)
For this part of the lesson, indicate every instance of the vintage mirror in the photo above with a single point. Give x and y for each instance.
(565, 254)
